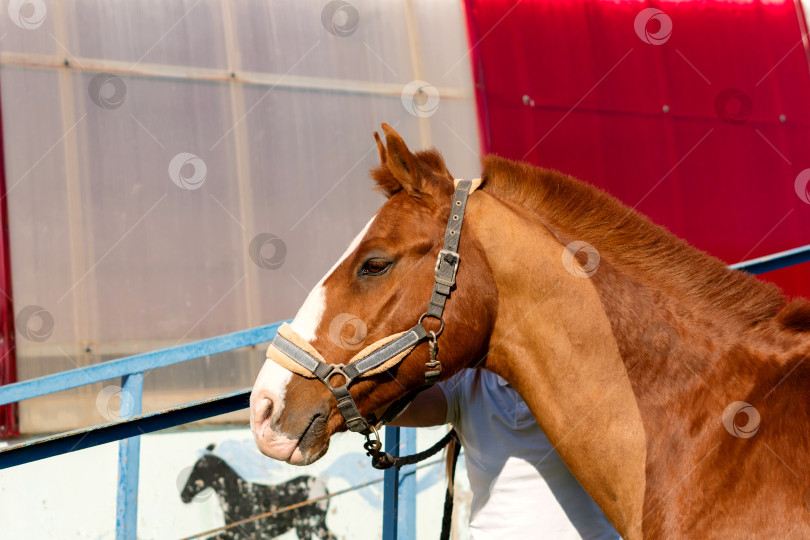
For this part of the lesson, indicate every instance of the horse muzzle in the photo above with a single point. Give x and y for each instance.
(293, 437)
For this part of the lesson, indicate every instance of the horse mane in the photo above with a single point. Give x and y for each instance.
(629, 240)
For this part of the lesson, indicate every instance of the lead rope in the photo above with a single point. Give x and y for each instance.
(384, 460)
(447, 519)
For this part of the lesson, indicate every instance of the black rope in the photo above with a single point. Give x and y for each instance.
(447, 519)
(384, 460)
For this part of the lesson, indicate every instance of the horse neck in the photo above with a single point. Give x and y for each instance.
(689, 362)
(553, 342)
(629, 381)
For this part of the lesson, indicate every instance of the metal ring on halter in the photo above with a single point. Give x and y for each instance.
(372, 445)
(441, 320)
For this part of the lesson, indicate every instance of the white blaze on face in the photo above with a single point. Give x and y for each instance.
(273, 377)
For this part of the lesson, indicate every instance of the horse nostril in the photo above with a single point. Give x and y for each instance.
(262, 405)
(269, 412)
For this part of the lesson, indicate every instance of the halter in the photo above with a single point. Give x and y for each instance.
(297, 355)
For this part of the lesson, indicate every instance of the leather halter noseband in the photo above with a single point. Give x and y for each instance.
(297, 355)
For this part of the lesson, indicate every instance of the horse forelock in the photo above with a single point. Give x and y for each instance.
(429, 160)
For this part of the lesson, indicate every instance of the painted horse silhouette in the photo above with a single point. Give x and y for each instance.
(241, 499)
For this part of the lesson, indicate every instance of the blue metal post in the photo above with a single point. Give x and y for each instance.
(407, 487)
(775, 261)
(390, 487)
(129, 450)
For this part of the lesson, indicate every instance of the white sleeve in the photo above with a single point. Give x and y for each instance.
(452, 389)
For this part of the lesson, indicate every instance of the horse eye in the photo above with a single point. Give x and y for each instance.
(375, 267)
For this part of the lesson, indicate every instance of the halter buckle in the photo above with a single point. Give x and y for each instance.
(449, 257)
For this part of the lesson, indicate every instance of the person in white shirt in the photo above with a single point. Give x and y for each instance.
(521, 487)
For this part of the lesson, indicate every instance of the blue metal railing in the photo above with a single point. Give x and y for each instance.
(400, 497)
(131, 370)
(768, 263)
(138, 363)
(79, 439)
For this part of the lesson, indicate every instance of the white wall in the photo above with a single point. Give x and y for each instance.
(73, 496)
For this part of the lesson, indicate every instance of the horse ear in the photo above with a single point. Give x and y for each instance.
(380, 148)
(421, 174)
(210, 447)
(401, 162)
(382, 175)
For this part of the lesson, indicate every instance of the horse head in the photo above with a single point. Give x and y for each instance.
(202, 476)
(379, 288)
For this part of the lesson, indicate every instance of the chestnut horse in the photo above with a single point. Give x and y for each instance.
(675, 390)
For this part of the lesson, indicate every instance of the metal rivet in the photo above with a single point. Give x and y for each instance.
(455, 218)
(458, 203)
(452, 233)
(665, 108)
(782, 118)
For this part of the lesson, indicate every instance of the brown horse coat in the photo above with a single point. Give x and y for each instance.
(676, 391)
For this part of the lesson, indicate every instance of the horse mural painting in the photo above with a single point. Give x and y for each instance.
(674, 389)
(241, 499)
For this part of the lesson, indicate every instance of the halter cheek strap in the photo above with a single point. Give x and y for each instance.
(293, 352)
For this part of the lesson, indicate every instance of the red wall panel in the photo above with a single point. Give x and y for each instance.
(705, 132)
(9, 421)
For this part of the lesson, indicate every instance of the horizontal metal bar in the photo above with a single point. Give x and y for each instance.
(112, 350)
(134, 364)
(79, 439)
(774, 261)
(192, 73)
